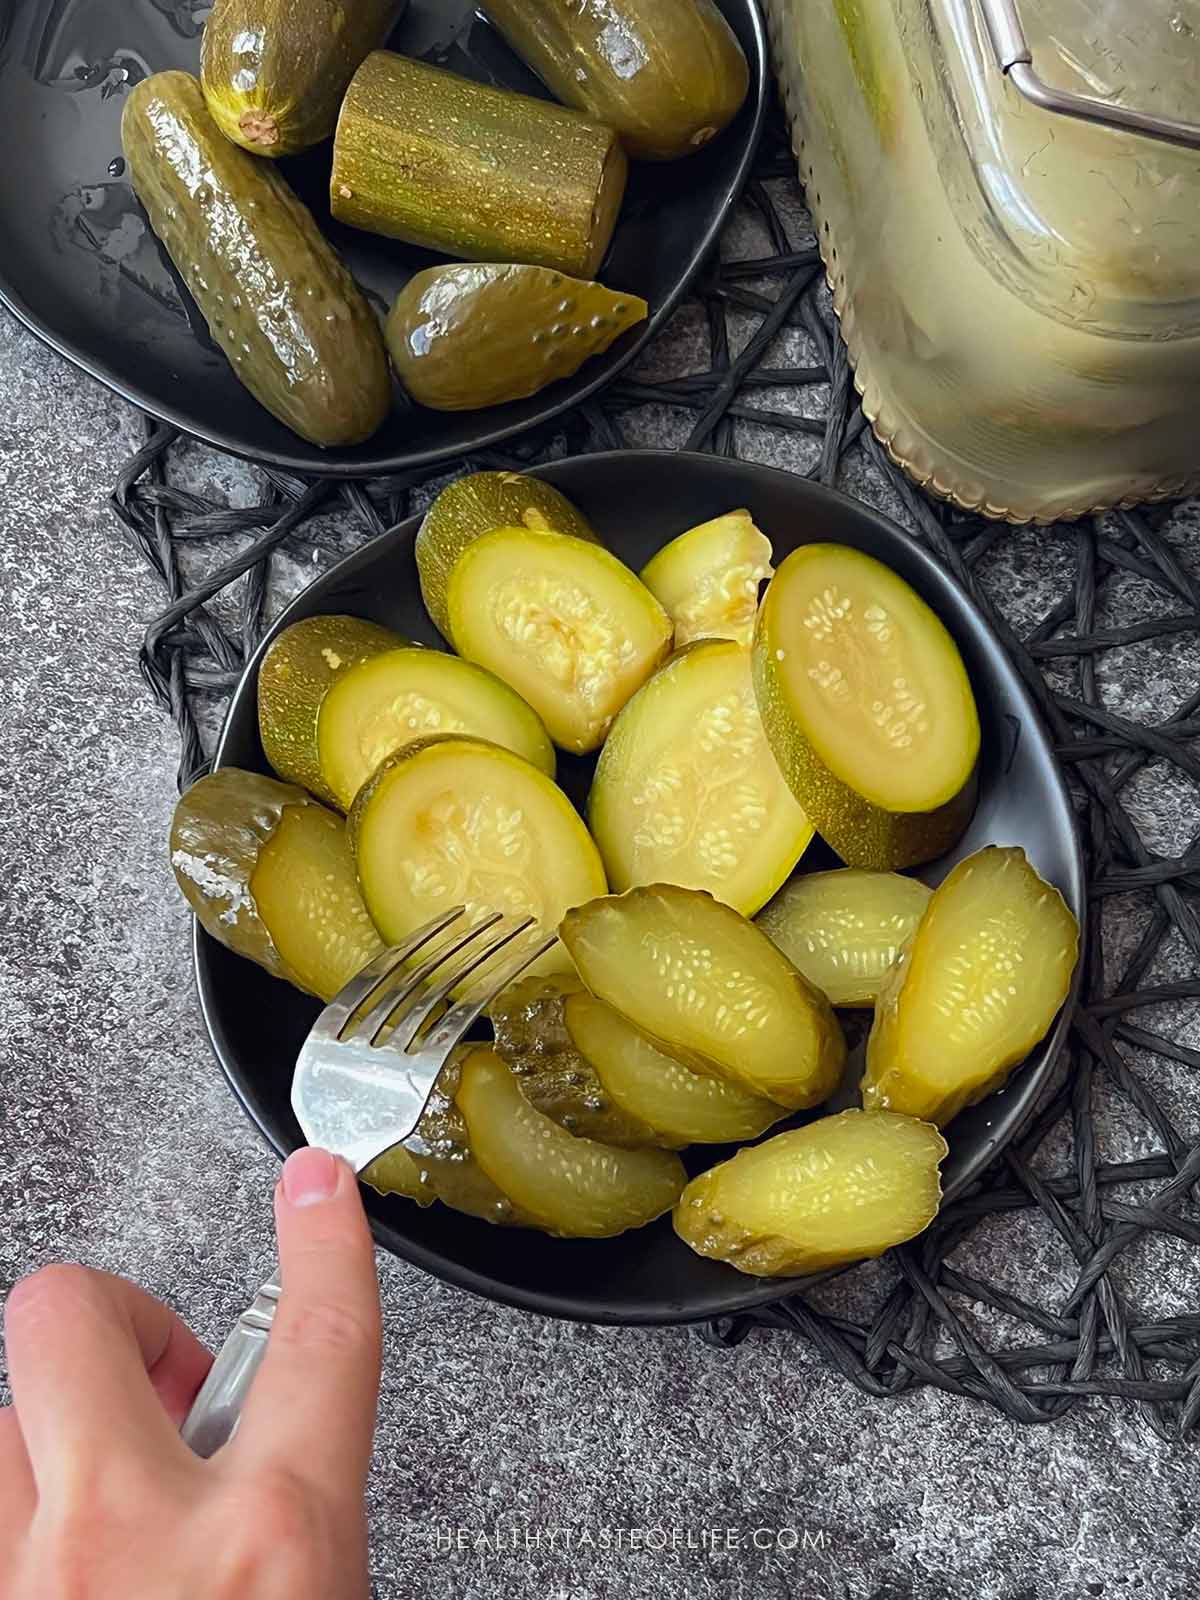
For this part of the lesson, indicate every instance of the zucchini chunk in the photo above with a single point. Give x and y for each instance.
(841, 1189)
(576, 1188)
(685, 1107)
(269, 873)
(451, 821)
(708, 579)
(687, 791)
(710, 988)
(845, 929)
(977, 986)
(867, 706)
(563, 622)
(475, 505)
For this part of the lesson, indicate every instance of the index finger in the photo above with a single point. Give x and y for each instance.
(313, 1403)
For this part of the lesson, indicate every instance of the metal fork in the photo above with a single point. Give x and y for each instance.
(363, 1079)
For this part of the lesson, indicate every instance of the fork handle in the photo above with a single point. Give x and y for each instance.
(217, 1409)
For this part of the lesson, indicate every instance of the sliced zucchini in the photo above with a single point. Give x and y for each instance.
(685, 1107)
(841, 1189)
(475, 505)
(710, 988)
(451, 821)
(532, 1039)
(977, 986)
(576, 1188)
(867, 706)
(687, 791)
(708, 579)
(563, 622)
(269, 873)
(845, 929)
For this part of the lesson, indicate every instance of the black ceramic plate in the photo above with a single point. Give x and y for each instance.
(82, 268)
(638, 500)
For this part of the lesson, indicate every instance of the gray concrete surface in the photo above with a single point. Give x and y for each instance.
(588, 1449)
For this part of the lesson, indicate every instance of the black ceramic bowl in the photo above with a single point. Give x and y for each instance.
(638, 500)
(82, 269)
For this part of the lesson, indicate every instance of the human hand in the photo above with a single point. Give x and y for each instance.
(99, 1497)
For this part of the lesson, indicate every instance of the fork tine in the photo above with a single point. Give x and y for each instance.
(453, 1026)
(362, 986)
(410, 985)
(417, 1012)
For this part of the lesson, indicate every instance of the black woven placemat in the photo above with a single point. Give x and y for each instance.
(1078, 1314)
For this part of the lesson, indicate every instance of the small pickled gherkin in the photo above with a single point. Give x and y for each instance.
(269, 873)
(573, 1187)
(710, 988)
(477, 504)
(276, 296)
(841, 1189)
(708, 579)
(845, 929)
(465, 337)
(978, 984)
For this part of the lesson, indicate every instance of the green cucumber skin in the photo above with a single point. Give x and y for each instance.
(274, 71)
(278, 300)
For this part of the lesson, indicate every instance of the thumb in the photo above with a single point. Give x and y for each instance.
(312, 1406)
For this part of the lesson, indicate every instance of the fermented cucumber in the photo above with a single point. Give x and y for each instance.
(273, 291)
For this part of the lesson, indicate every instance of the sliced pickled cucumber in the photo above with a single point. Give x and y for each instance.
(274, 72)
(977, 986)
(708, 579)
(276, 296)
(472, 171)
(667, 74)
(451, 821)
(532, 1039)
(465, 337)
(297, 672)
(844, 930)
(269, 873)
(577, 1188)
(562, 621)
(867, 706)
(687, 791)
(843, 1188)
(475, 505)
(710, 988)
(657, 1089)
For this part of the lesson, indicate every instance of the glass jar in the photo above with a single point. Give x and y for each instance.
(1019, 290)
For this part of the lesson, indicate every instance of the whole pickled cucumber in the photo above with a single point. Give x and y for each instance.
(476, 172)
(277, 299)
(466, 337)
(667, 74)
(274, 71)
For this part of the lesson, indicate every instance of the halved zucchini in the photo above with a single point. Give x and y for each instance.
(977, 986)
(451, 821)
(710, 988)
(867, 706)
(845, 929)
(577, 1188)
(563, 622)
(687, 791)
(708, 579)
(531, 1038)
(269, 873)
(475, 505)
(843, 1188)
(685, 1107)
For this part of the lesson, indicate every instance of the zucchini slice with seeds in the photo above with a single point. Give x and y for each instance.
(687, 791)
(563, 622)
(977, 986)
(867, 706)
(841, 1189)
(710, 988)
(708, 579)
